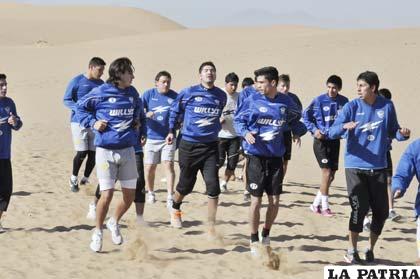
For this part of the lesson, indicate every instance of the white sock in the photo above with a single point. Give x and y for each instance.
(317, 200)
(73, 178)
(418, 236)
(324, 201)
(223, 183)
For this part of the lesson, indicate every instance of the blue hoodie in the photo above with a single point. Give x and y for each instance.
(267, 119)
(7, 106)
(322, 112)
(367, 144)
(78, 87)
(200, 109)
(120, 107)
(159, 103)
(408, 167)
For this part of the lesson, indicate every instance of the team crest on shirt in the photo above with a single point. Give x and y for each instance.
(112, 100)
(326, 108)
(160, 118)
(198, 99)
(253, 186)
(131, 99)
(282, 110)
(380, 113)
(371, 138)
(263, 109)
(7, 109)
(217, 102)
(170, 101)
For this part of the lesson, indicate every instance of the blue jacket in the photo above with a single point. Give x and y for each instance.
(322, 112)
(245, 93)
(7, 106)
(408, 167)
(199, 109)
(158, 125)
(367, 144)
(120, 107)
(78, 87)
(142, 130)
(267, 119)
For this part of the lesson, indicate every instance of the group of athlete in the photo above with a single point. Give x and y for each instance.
(127, 135)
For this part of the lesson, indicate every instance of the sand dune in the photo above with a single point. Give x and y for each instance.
(49, 234)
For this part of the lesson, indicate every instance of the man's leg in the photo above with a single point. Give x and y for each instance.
(170, 181)
(102, 207)
(150, 170)
(125, 203)
(254, 217)
(90, 165)
(6, 186)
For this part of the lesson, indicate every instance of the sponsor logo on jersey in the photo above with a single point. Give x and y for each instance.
(271, 122)
(380, 113)
(370, 126)
(270, 135)
(121, 112)
(206, 110)
(122, 126)
(205, 122)
(263, 109)
(160, 109)
(329, 118)
(112, 100)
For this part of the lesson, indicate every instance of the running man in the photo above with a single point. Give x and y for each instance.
(83, 138)
(200, 108)
(408, 167)
(9, 120)
(112, 110)
(229, 142)
(367, 124)
(261, 121)
(318, 117)
(284, 87)
(157, 102)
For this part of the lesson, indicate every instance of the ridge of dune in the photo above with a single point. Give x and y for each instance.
(53, 25)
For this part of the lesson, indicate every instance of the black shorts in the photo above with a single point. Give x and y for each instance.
(6, 183)
(264, 174)
(194, 157)
(389, 171)
(287, 140)
(327, 153)
(229, 147)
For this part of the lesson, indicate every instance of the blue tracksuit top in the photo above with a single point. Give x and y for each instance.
(159, 103)
(199, 109)
(78, 87)
(120, 107)
(322, 112)
(267, 119)
(408, 167)
(367, 144)
(7, 106)
(142, 130)
(245, 93)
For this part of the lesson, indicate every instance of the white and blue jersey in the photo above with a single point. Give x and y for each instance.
(322, 112)
(199, 109)
(78, 87)
(368, 143)
(7, 106)
(119, 107)
(267, 119)
(408, 167)
(159, 104)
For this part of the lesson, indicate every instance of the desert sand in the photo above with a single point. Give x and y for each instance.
(43, 47)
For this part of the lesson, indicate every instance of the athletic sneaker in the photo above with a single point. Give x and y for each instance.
(369, 256)
(255, 248)
(223, 186)
(96, 244)
(114, 228)
(316, 210)
(84, 181)
(366, 224)
(74, 185)
(327, 213)
(176, 220)
(247, 196)
(151, 197)
(169, 201)
(353, 258)
(91, 215)
(393, 216)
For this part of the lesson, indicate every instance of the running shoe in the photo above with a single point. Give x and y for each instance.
(84, 181)
(151, 197)
(96, 244)
(223, 186)
(353, 258)
(366, 224)
(176, 220)
(369, 256)
(327, 213)
(169, 202)
(393, 216)
(316, 210)
(74, 185)
(247, 196)
(114, 228)
(91, 215)
(255, 249)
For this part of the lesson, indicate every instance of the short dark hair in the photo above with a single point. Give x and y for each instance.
(3, 76)
(386, 93)
(207, 63)
(117, 68)
(370, 78)
(247, 82)
(270, 73)
(162, 74)
(334, 79)
(96, 61)
(231, 77)
(284, 78)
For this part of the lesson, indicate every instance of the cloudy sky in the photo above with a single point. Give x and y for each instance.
(322, 13)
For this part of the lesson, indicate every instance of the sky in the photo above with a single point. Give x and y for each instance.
(319, 13)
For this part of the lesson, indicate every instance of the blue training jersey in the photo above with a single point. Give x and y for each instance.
(267, 119)
(119, 107)
(295, 99)
(199, 109)
(78, 87)
(142, 129)
(159, 104)
(322, 112)
(7, 107)
(245, 93)
(367, 144)
(408, 167)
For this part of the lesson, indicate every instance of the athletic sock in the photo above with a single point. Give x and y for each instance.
(317, 200)
(265, 232)
(73, 178)
(176, 205)
(254, 237)
(324, 201)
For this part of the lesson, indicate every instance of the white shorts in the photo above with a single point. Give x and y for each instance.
(83, 138)
(156, 151)
(116, 164)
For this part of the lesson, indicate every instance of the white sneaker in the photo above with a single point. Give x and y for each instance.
(169, 202)
(223, 186)
(176, 220)
(255, 248)
(265, 241)
(96, 244)
(84, 181)
(151, 197)
(92, 211)
(114, 228)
